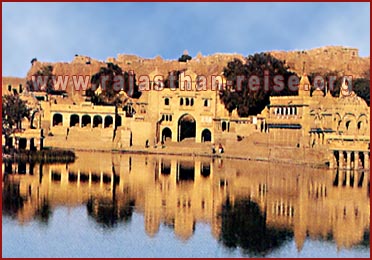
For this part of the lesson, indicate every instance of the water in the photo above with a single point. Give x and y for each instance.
(112, 205)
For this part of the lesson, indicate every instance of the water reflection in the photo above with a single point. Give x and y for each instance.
(244, 225)
(254, 206)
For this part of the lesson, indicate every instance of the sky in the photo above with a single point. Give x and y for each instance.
(57, 31)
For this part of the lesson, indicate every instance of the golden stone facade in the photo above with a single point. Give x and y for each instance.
(319, 127)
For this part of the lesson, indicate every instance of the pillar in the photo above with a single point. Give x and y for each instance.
(50, 175)
(348, 160)
(173, 174)
(356, 160)
(366, 160)
(332, 160)
(365, 178)
(356, 178)
(64, 178)
(341, 159)
(197, 172)
(112, 181)
(78, 178)
(347, 176)
(90, 179)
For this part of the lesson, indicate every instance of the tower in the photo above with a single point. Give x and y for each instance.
(304, 86)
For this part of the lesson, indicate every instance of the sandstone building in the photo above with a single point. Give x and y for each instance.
(317, 126)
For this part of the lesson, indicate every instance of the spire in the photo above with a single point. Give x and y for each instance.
(304, 86)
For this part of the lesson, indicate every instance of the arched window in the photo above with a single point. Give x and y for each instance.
(187, 102)
(166, 101)
(181, 101)
(108, 121)
(191, 102)
(206, 103)
(97, 121)
(57, 119)
(347, 125)
(85, 121)
(74, 120)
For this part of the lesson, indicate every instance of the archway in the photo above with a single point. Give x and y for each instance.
(350, 124)
(186, 127)
(206, 136)
(57, 119)
(166, 135)
(362, 124)
(97, 121)
(74, 120)
(85, 121)
(108, 121)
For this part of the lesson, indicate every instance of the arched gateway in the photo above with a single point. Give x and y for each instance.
(186, 127)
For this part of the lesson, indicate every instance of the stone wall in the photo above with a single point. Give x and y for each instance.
(330, 58)
(10, 83)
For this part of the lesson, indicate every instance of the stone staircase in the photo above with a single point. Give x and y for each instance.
(81, 138)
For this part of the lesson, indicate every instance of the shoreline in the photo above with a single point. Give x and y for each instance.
(162, 151)
(49, 155)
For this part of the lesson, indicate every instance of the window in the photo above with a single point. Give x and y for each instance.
(166, 101)
(187, 102)
(224, 126)
(206, 103)
(181, 102)
(9, 87)
(192, 102)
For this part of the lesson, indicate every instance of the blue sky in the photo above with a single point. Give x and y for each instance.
(58, 31)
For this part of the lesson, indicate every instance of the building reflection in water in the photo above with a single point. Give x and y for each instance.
(256, 206)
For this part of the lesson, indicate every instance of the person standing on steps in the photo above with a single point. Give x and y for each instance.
(220, 148)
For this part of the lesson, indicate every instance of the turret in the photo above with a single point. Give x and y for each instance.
(304, 86)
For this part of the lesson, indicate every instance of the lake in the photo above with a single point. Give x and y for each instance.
(122, 205)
